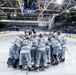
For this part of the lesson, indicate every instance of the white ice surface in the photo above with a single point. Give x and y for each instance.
(67, 68)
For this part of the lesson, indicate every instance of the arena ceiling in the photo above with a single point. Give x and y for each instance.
(47, 8)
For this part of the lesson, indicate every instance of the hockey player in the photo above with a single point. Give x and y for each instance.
(47, 48)
(34, 49)
(15, 49)
(56, 48)
(62, 41)
(49, 38)
(25, 53)
(41, 52)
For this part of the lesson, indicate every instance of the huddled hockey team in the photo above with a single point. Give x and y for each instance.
(37, 51)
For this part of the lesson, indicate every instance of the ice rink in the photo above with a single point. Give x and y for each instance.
(66, 68)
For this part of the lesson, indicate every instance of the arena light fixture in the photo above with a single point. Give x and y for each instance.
(75, 7)
(67, 11)
(59, 2)
(14, 15)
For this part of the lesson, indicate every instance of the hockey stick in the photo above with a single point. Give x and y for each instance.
(67, 51)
